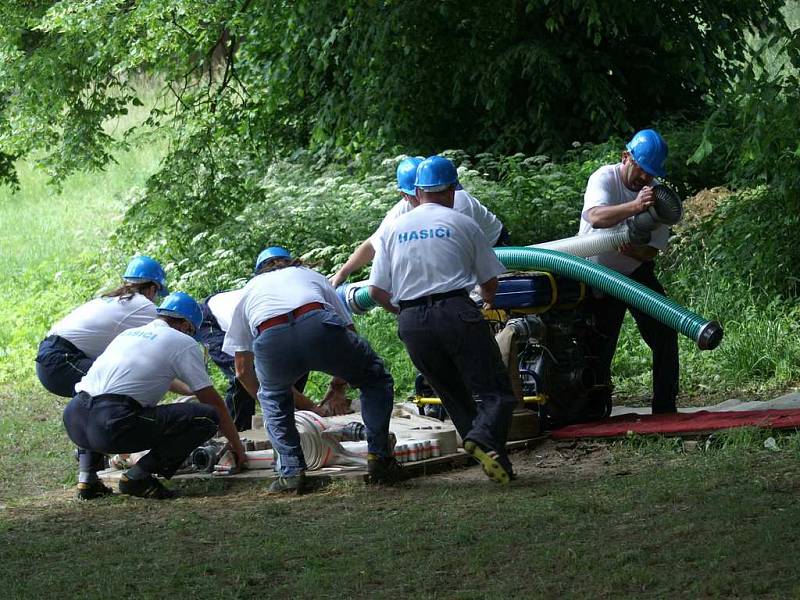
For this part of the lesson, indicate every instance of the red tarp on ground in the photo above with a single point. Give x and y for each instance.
(696, 422)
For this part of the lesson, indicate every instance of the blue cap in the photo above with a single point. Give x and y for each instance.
(144, 269)
(182, 306)
(407, 174)
(436, 173)
(269, 254)
(649, 150)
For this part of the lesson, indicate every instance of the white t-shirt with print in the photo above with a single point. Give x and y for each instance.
(277, 293)
(142, 362)
(605, 188)
(463, 203)
(432, 250)
(93, 325)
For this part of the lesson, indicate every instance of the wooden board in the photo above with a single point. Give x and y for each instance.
(418, 468)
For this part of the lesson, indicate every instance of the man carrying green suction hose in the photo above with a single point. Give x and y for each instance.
(614, 194)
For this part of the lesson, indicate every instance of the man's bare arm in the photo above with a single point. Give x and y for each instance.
(210, 396)
(487, 290)
(360, 257)
(640, 253)
(383, 298)
(181, 388)
(244, 363)
(602, 217)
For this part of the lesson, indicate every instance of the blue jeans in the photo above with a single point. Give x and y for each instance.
(318, 341)
(240, 404)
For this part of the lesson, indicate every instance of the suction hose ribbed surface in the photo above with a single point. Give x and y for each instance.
(588, 245)
(707, 334)
(363, 299)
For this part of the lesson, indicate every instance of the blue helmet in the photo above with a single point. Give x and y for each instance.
(269, 254)
(182, 306)
(407, 174)
(650, 151)
(142, 269)
(436, 173)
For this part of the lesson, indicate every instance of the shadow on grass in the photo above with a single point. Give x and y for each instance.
(665, 525)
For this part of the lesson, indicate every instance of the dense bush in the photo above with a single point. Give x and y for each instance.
(324, 212)
(751, 131)
(748, 240)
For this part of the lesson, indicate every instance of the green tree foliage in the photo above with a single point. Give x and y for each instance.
(751, 133)
(259, 77)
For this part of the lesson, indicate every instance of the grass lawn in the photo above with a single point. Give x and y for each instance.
(581, 521)
(51, 241)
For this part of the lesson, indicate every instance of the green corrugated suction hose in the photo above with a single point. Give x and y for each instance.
(707, 334)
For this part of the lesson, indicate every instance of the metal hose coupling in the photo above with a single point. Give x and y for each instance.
(666, 210)
(710, 336)
(205, 457)
(529, 326)
(347, 294)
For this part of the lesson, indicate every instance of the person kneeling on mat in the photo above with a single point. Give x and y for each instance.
(290, 321)
(115, 409)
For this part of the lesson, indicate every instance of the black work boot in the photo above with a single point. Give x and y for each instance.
(92, 490)
(384, 470)
(145, 488)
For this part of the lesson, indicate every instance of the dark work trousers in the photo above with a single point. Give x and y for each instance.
(437, 410)
(60, 365)
(450, 343)
(241, 405)
(609, 313)
(114, 424)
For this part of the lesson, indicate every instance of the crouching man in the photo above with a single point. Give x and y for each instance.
(289, 322)
(115, 409)
(425, 263)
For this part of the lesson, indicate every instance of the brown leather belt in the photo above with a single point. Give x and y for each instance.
(281, 319)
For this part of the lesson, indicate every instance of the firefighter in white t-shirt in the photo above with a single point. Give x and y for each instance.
(463, 202)
(425, 263)
(116, 406)
(217, 313)
(73, 344)
(614, 194)
(289, 322)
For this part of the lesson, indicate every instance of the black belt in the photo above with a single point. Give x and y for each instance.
(432, 298)
(121, 398)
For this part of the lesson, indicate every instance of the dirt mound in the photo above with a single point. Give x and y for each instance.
(703, 204)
